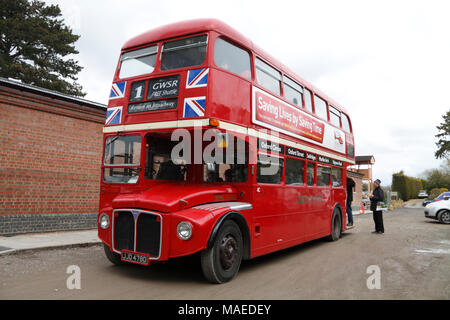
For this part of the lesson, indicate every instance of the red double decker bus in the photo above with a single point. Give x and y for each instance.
(276, 174)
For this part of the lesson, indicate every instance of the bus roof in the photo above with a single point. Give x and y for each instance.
(201, 25)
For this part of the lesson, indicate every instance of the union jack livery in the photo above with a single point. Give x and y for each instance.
(197, 78)
(118, 90)
(113, 116)
(194, 107)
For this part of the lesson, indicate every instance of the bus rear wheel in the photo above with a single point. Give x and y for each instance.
(336, 226)
(221, 262)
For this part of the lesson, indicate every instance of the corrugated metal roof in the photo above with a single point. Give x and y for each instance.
(49, 93)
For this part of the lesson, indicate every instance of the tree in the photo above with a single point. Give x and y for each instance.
(35, 46)
(443, 143)
(437, 179)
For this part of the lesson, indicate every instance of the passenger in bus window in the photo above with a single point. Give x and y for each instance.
(211, 177)
(228, 175)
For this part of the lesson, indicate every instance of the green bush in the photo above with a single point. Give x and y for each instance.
(434, 193)
(407, 187)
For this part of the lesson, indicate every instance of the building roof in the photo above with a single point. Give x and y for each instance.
(50, 93)
(365, 159)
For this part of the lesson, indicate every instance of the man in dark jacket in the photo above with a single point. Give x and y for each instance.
(375, 197)
(350, 186)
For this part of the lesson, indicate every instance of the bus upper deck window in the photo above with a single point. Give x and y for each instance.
(335, 116)
(137, 62)
(308, 100)
(183, 53)
(293, 91)
(345, 123)
(234, 59)
(320, 107)
(267, 76)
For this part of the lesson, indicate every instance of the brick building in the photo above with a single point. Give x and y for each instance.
(50, 156)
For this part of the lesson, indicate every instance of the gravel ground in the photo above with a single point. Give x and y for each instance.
(413, 256)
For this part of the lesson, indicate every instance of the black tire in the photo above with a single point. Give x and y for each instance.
(221, 262)
(336, 226)
(112, 256)
(444, 217)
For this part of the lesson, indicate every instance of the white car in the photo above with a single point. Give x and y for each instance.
(439, 210)
(422, 194)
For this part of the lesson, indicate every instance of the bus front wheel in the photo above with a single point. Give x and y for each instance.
(112, 256)
(336, 226)
(221, 262)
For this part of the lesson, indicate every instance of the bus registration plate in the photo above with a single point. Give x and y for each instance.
(135, 258)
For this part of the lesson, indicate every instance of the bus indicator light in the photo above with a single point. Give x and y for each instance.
(214, 122)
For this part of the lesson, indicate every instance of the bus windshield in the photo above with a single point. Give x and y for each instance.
(122, 156)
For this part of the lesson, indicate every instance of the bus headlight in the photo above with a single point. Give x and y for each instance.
(103, 221)
(184, 230)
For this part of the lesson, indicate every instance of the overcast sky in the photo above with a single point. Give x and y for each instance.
(387, 62)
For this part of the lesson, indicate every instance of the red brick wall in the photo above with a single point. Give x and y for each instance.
(50, 155)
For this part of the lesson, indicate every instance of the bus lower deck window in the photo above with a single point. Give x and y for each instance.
(310, 174)
(223, 172)
(295, 172)
(323, 176)
(337, 177)
(159, 164)
(269, 169)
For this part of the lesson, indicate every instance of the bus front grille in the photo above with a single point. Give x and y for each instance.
(145, 227)
(148, 234)
(124, 231)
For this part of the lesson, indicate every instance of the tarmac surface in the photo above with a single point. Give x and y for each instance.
(413, 258)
